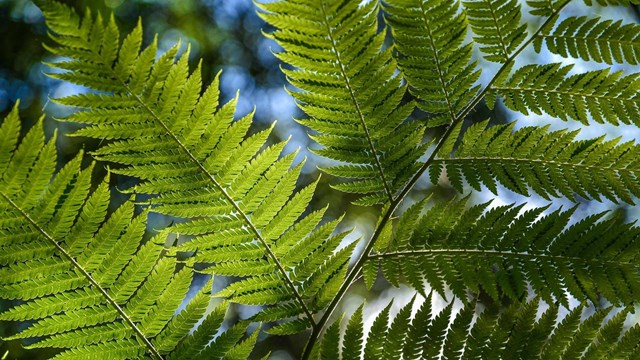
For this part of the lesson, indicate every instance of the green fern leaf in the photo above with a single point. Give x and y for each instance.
(502, 253)
(603, 41)
(193, 346)
(88, 284)
(497, 27)
(606, 97)
(238, 194)
(353, 336)
(438, 71)
(551, 163)
(242, 350)
(350, 91)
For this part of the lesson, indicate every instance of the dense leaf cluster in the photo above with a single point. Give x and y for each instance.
(388, 88)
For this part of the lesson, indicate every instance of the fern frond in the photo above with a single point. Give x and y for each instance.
(434, 58)
(512, 334)
(349, 88)
(603, 41)
(236, 192)
(503, 252)
(497, 27)
(599, 94)
(551, 163)
(88, 284)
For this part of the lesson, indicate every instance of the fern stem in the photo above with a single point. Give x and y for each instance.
(352, 95)
(472, 159)
(364, 256)
(155, 354)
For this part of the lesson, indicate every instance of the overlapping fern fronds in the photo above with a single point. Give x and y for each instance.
(349, 88)
(551, 163)
(516, 333)
(240, 214)
(433, 55)
(503, 252)
(506, 247)
(89, 284)
(238, 196)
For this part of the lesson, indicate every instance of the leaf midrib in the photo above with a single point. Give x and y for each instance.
(547, 90)
(496, 253)
(528, 160)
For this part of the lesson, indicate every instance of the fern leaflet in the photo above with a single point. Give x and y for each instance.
(349, 89)
(497, 26)
(438, 70)
(607, 97)
(503, 252)
(603, 41)
(552, 164)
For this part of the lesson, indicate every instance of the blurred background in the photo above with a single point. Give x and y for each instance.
(227, 36)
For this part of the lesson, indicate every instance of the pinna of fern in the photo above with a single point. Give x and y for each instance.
(348, 87)
(497, 27)
(515, 333)
(549, 163)
(601, 95)
(429, 37)
(88, 283)
(603, 41)
(505, 252)
(244, 217)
